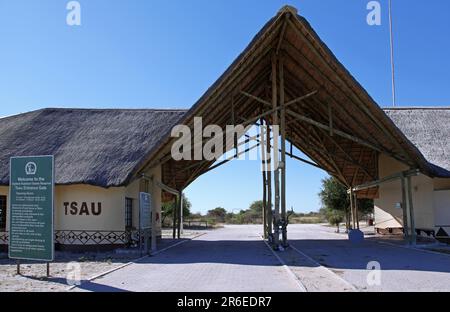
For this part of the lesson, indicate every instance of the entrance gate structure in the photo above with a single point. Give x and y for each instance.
(288, 77)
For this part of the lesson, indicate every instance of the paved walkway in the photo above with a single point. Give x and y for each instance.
(229, 259)
(402, 268)
(236, 259)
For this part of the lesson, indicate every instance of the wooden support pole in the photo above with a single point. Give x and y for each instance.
(18, 267)
(356, 210)
(352, 208)
(412, 224)
(269, 183)
(181, 213)
(180, 208)
(405, 209)
(275, 122)
(283, 157)
(48, 269)
(263, 170)
(174, 216)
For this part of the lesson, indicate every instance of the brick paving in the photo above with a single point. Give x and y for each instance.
(230, 259)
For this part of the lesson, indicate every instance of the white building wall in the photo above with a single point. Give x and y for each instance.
(387, 215)
(95, 209)
(132, 191)
(442, 205)
(69, 201)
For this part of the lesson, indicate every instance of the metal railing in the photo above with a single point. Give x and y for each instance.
(90, 237)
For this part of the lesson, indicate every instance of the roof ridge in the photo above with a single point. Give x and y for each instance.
(113, 109)
(40, 110)
(417, 108)
(288, 9)
(22, 114)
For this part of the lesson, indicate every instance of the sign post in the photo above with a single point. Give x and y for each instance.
(32, 185)
(145, 217)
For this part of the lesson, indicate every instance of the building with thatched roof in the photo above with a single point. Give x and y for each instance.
(428, 128)
(96, 152)
(286, 76)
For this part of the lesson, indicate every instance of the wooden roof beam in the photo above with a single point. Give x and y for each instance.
(337, 132)
(350, 158)
(356, 98)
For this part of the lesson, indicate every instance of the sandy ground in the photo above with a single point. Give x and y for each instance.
(34, 274)
(234, 258)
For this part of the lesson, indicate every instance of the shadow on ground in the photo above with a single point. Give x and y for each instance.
(332, 253)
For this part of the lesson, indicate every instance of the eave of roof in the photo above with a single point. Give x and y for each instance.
(97, 147)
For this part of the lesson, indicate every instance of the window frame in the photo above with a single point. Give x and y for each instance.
(3, 201)
(128, 213)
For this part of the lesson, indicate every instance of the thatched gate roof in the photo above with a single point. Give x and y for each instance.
(308, 66)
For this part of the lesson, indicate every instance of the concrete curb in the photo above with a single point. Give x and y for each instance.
(134, 261)
(288, 270)
(327, 269)
(176, 244)
(415, 248)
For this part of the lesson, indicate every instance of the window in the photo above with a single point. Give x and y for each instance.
(2, 213)
(128, 213)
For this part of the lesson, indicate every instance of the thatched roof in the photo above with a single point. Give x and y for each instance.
(429, 130)
(110, 147)
(308, 66)
(91, 146)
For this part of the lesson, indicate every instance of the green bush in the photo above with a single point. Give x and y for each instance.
(335, 217)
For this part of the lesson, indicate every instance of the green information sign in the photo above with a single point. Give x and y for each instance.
(31, 208)
(145, 211)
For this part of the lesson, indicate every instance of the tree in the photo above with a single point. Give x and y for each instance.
(257, 206)
(334, 197)
(365, 206)
(168, 207)
(217, 214)
(335, 217)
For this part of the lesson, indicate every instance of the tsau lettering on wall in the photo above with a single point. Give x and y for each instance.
(82, 209)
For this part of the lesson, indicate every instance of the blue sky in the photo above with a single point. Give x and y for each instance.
(165, 54)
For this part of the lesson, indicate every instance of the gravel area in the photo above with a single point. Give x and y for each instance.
(33, 275)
